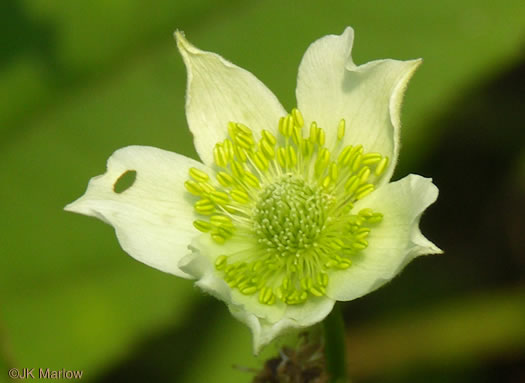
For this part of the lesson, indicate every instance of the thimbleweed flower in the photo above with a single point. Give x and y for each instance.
(288, 212)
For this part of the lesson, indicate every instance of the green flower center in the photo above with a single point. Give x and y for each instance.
(288, 201)
(289, 215)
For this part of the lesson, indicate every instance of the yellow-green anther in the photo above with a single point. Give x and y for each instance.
(344, 264)
(218, 238)
(193, 188)
(339, 242)
(224, 179)
(267, 149)
(244, 141)
(204, 201)
(359, 236)
(334, 171)
(367, 212)
(288, 126)
(371, 158)
(307, 284)
(322, 161)
(232, 129)
(344, 156)
(316, 291)
(251, 179)
(381, 166)
(198, 175)
(281, 157)
(376, 218)
(297, 135)
(228, 149)
(269, 137)
(221, 262)
(325, 155)
(313, 132)
(204, 206)
(352, 184)
(341, 129)
(218, 220)
(265, 295)
(225, 231)
(240, 196)
(240, 153)
(363, 174)
(363, 191)
(326, 182)
(260, 161)
(206, 187)
(244, 129)
(281, 125)
(201, 225)
(307, 148)
(301, 298)
(291, 157)
(249, 290)
(230, 209)
(243, 285)
(237, 169)
(356, 164)
(322, 279)
(298, 117)
(360, 244)
(352, 154)
(363, 230)
(257, 266)
(219, 197)
(321, 138)
(219, 156)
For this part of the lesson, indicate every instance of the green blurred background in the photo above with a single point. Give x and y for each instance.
(79, 79)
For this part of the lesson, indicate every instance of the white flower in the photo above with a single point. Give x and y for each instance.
(287, 213)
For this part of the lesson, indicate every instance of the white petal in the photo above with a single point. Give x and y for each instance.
(200, 264)
(296, 318)
(219, 92)
(314, 310)
(152, 218)
(392, 243)
(331, 87)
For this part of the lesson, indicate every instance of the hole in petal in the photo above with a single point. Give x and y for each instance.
(125, 181)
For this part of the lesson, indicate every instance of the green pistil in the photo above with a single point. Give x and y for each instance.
(290, 198)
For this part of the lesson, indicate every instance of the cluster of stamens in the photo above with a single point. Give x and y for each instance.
(290, 199)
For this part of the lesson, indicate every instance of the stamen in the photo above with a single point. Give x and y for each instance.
(290, 199)
(341, 129)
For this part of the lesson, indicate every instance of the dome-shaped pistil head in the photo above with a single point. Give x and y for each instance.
(289, 216)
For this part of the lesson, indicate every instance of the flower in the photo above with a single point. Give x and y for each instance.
(287, 213)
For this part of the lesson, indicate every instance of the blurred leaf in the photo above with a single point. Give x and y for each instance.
(462, 331)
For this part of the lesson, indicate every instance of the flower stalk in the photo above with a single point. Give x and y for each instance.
(334, 334)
